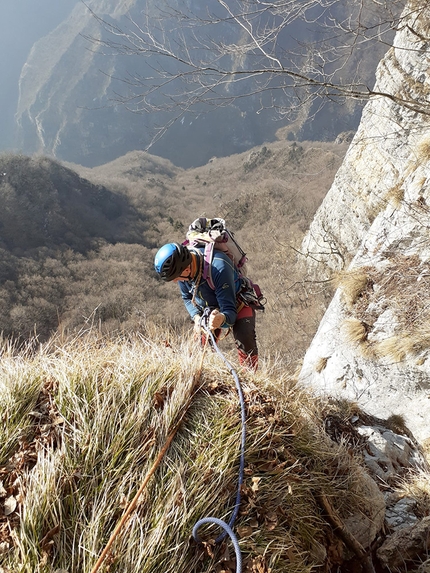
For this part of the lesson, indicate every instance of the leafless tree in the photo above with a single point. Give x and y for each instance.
(200, 56)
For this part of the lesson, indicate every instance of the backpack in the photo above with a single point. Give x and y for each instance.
(212, 234)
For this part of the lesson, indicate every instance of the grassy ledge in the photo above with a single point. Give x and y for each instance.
(83, 421)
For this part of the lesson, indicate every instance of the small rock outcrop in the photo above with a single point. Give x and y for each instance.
(402, 547)
(392, 526)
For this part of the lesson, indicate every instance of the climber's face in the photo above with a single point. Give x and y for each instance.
(184, 276)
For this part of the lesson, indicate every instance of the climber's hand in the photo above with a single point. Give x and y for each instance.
(216, 319)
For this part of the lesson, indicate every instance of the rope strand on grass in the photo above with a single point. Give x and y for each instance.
(228, 531)
(228, 528)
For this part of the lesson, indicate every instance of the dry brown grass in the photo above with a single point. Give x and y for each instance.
(108, 405)
(396, 195)
(393, 197)
(401, 288)
(423, 150)
(426, 449)
(352, 284)
(394, 348)
(354, 330)
(321, 364)
(417, 487)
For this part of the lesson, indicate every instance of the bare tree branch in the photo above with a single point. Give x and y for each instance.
(228, 50)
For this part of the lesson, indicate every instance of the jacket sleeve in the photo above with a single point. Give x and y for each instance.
(224, 277)
(187, 296)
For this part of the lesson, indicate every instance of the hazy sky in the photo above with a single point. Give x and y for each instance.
(22, 22)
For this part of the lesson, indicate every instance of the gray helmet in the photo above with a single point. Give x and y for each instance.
(171, 260)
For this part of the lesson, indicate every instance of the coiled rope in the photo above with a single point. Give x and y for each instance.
(228, 527)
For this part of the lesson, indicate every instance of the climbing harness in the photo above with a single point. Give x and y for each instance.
(228, 527)
(250, 295)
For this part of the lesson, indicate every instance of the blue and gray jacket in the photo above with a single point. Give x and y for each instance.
(227, 283)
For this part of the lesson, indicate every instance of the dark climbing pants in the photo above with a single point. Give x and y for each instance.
(244, 337)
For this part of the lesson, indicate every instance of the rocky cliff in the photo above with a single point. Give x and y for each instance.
(372, 234)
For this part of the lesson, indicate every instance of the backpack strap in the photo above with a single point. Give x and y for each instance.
(207, 262)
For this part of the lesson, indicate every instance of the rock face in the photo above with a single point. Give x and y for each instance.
(372, 346)
(391, 486)
(404, 545)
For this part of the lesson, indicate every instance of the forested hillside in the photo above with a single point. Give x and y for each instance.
(77, 244)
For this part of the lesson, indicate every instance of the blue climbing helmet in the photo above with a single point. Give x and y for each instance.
(171, 260)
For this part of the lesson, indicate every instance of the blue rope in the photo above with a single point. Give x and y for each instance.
(228, 531)
(228, 528)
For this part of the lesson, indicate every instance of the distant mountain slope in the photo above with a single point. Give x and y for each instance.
(47, 205)
(58, 259)
(21, 25)
(77, 244)
(69, 105)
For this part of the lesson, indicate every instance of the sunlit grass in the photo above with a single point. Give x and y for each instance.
(108, 407)
(20, 385)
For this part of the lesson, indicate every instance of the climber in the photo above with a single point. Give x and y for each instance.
(175, 262)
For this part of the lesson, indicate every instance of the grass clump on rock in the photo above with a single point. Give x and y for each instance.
(83, 422)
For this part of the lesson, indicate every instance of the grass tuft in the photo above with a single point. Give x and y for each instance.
(354, 330)
(93, 413)
(423, 150)
(321, 364)
(417, 487)
(396, 195)
(398, 290)
(394, 348)
(353, 283)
